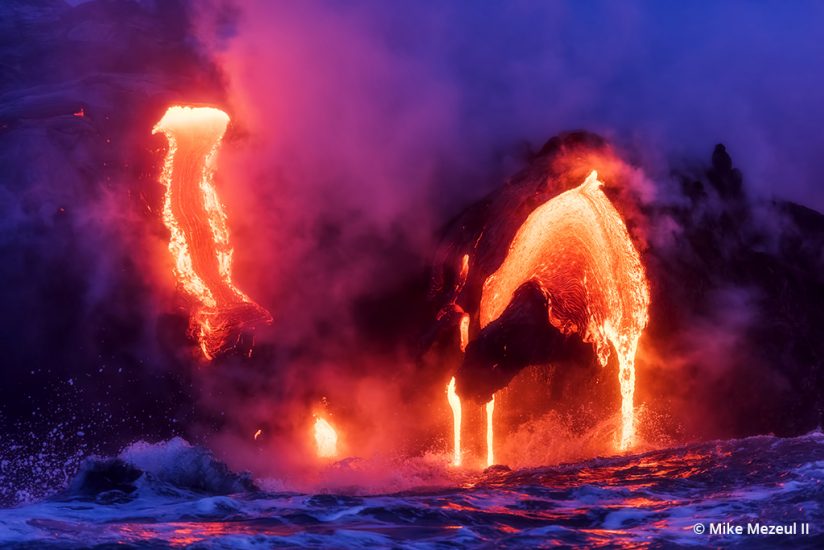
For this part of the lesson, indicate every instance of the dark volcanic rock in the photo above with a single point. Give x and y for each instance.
(80, 89)
(106, 476)
(745, 277)
(522, 336)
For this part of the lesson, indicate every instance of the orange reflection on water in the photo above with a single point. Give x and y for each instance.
(182, 534)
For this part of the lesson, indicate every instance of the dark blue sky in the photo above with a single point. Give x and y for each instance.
(672, 78)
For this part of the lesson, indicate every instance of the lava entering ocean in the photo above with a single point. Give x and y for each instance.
(455, 405)
(452, 397)
(576, 248)
(199, 240)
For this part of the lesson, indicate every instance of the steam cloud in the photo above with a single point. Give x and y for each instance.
(369, 126)
(358, 131)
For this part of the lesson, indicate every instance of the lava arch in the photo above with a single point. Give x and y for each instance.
(577, 249)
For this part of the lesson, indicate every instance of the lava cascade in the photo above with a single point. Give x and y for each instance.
(577, 248)
(452, 396)
(326, 439)
(199, 240)
(490, 452)
(455, 405)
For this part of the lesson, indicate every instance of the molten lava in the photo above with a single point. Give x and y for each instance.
(195, 218)
(326, 439)
(455, 404)
(577, 248)
(464, 328)
(490, 453)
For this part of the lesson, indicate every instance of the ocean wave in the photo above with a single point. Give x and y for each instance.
(176, 494)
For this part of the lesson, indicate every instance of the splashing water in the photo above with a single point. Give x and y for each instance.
(174, 495)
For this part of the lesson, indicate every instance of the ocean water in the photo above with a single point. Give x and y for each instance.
(172, 495)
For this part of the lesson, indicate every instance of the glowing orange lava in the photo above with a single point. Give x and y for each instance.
(464, 271)
(195, 218)
(455, 404)
(576, 246)
(326, 439)
(490, 453)
(464, 328)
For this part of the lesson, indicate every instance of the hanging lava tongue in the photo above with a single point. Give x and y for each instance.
(577, 249)
(195, 218)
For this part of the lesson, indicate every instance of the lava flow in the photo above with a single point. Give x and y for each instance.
(455, 405)
(455, 400)
(577, 248)
(490, 453)
(326, 439)
(452, 396)
(195, 218)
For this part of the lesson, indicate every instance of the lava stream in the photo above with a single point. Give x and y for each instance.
(455, 405)
(490, 453)
(326, 439)
(195, 218)
(464, 329)
(576, 246)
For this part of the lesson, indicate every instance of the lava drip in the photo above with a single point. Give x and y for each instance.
(452, 396)
(576, 247)
(326, 439)
(455, 405)
(490, 453)
(199, 240)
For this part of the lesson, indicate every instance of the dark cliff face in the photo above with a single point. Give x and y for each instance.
(733, 345)
(747, 277)
(80, 89)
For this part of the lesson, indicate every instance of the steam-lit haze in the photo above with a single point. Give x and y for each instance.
(362, 128)
(463, 84)
(358, 130)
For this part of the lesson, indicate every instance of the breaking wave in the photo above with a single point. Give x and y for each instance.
(176, 494)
